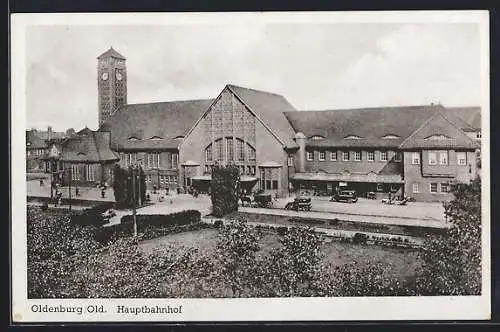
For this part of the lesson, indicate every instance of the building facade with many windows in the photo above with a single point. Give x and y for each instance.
(417, 150)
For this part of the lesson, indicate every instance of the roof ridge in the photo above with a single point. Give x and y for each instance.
(166, 102)
(255, 90)
(366, 108)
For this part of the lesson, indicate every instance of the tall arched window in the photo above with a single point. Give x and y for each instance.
(224, 150)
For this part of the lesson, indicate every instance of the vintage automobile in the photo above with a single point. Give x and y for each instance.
(348, 196)
(263, 200)
(299, 203)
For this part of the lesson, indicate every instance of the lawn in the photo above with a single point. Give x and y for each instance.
(415, 231)
(399, 263)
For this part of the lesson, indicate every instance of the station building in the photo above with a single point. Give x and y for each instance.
(417, 150)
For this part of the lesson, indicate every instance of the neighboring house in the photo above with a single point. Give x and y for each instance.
(35, 150)
(85, 159)
(418, 150)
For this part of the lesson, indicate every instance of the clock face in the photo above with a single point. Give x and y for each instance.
(119, 76)
(104, 76)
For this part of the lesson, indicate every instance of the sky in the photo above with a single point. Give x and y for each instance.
(315, 66)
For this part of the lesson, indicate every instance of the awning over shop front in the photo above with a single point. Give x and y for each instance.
(352, 177)
(248, 178)
(202, 178)
(243, 178)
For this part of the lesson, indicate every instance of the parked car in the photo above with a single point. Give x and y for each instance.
(299, 203)
(349, 196)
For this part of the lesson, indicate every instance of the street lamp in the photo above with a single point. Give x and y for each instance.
(134, 212)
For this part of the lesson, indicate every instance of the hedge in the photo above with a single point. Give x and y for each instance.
(92, 216)
(150, 226)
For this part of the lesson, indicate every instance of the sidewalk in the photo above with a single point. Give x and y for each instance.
(85, 193)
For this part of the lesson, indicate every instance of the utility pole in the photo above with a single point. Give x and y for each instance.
(69, 180)
(134, 208)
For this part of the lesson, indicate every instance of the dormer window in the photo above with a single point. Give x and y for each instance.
(80, 154)
(133, 138)
(315, 137)
(155, 138)
(391, 136)
(437, 137)
(179, 137)
(352, 137)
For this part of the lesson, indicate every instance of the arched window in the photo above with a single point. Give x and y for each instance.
(224, 149)
(352, 137)
(391, 136)
(315, 137)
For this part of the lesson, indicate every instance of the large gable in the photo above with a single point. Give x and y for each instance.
(470, 116)
(33, 141)
(438, 132)
(269, 108)
(153, 125)
(89, 147)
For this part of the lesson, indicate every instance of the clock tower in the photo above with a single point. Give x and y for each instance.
(111, 83)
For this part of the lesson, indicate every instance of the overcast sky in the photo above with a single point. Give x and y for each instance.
(315, 66)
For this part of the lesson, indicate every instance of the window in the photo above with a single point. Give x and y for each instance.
(357, 155)
(371, 155)
(333, 155)
(380, 187)
(290, 161)
(433, 187)
(415, 158)
(90, 173)
(206, 169)
(352, 137)
(461, 158)
(149, 162)
(275, 184)
(28, 153)
(175, 159)
(219, 150)
(240, 150)
(230, 148)
(432, 158)
(208, 153)
(310, 155)
(443, 158)
(317, 137)
(148, 178)
(383, 156)
(390, 136)
(397, 156)
(478, 134)
(75, 174)
(345, 155)
(415, 188)
(445, 187)
(322, 155)
(162, 178)
(251, 153)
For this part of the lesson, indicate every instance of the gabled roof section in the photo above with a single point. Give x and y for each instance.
(371, 124)
(111, 53)
(33, 141)
(470, 116)
(144, 121)
(269, 108)
(93, 147)
(439, 125)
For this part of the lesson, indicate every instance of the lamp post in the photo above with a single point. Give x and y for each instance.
(134, 211)
(69, 188)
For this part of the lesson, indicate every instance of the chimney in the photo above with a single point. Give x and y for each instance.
(49, 133)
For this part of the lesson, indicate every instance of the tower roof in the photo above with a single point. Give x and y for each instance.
(111, 53)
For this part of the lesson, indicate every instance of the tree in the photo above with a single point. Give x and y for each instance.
(236, 250)
(123, 186)
(296, 268)
(224, 190)
(452, 261)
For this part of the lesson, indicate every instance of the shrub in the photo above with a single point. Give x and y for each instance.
(282, 230)
(360, 238)
(218, 223)
(123, 187)
(92, 216)
(224, 190)
(147, 224)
